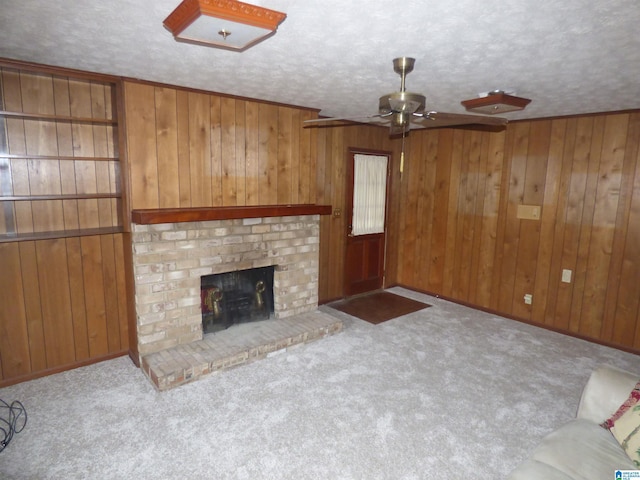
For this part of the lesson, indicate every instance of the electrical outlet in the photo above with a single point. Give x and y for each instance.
(566, 276)
(528, 299)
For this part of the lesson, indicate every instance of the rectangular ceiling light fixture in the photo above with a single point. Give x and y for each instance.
(495, 102)
(227, 24)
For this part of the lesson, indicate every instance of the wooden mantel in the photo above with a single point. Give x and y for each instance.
(202, 214)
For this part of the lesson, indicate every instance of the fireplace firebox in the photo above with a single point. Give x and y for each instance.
(236, 297)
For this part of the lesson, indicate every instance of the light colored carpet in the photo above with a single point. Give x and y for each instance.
(446, 392)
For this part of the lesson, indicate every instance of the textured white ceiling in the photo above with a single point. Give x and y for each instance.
(568, 56)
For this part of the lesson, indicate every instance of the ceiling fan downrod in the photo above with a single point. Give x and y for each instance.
(403, 66)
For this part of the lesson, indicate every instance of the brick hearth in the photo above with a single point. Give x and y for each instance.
(170, 258)
(239, 345)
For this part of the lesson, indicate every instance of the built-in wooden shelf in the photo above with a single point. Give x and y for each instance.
(57, 118)
(201, 214)
(72, 196)
(58, 157)
(85, 232)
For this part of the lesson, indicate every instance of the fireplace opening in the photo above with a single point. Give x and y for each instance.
(236, 297)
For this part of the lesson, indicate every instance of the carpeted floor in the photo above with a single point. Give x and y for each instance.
(445, 392)
(378, 307)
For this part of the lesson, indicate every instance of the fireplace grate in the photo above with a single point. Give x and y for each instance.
(236, 297)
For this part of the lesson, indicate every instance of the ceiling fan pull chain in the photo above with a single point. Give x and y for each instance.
(402, 156)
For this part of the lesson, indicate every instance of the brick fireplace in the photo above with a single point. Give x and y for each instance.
(169, 260)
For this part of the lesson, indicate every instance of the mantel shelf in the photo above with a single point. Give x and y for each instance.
(201, 214)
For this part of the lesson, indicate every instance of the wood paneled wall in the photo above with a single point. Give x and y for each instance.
(62, 304)
(458, 234)
(333, 150)
(195, 149)
(62, 288)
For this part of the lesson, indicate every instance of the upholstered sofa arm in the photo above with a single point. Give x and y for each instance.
(606, 390)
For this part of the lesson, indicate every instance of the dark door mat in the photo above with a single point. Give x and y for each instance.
(378, 307)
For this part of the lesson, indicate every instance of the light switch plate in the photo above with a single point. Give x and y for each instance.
(528, 212)
(566, 276)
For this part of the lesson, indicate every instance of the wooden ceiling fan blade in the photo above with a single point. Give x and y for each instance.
(443, 119)
(362, 119)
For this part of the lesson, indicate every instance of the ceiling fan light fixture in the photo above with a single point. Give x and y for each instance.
(495, 102)
(227, 24)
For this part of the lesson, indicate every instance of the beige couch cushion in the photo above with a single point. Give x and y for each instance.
(580, 450)
(606, 390)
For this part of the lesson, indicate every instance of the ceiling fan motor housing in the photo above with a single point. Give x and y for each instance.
(405, 102)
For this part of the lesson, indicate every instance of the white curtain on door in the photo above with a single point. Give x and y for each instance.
(369, 193)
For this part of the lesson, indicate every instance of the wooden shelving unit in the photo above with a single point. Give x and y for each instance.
(55, 164)
(57, 118)
(63, 221)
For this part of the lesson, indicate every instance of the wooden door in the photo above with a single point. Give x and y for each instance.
(366, 207)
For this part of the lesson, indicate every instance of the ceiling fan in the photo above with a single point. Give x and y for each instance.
(403, 111)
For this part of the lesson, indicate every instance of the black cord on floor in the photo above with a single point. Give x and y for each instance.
(13, 419)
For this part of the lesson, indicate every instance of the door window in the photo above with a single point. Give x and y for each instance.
(369, 193)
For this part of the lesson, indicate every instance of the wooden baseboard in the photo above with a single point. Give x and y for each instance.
(598, 341)
(63, 368)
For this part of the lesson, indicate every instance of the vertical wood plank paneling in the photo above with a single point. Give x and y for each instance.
(551, 315)
(17, 145)
(420, 173)
(586, 229)
(229, 139)
(203, 182)
(337, 175)
(268, 157)
(121, 286)
(465, 222)
(110, 288)
(401, 212)
(84, 146)
(323, 189)
(94, 296)
(141, 143)
(77, 296)
(538, 152)
(101, 148)
(430, 154)
(411, 176)
(252, 153)
(576, 203)
(604, 219)
(511, 237)
(435, 279)
(483, 146)
(240, 153)
(167, 145)
(184, 166)
(306, 166)
(296, 157)
(64, 138)
(208, 150)
(56, 304)
(584, 172)
(452, 212)
(284, 159)
(489, 219)
(14, 345)
(32, 305)
(47, 322)
(541, 289)
(623, 296)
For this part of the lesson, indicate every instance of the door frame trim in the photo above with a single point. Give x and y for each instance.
(351, 152)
